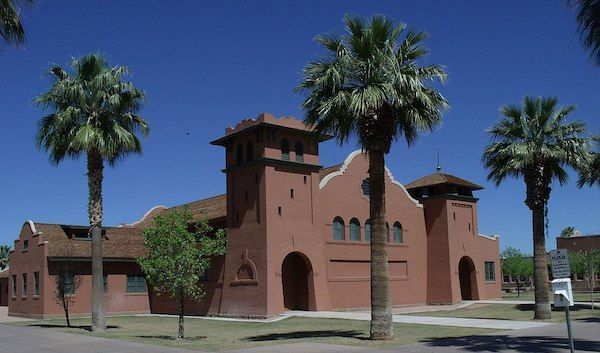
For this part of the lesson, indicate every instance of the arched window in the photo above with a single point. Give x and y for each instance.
(285, 150)
(368, 230)
(338, 228)
(354, 229)
(249, 151)
(240, 154)
(398, 236)
(299, 152)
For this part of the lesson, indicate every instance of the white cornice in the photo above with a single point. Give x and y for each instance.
(347, 162)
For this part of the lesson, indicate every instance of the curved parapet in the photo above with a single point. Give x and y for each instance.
(344, 166)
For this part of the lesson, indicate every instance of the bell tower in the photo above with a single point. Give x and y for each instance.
(272, 168)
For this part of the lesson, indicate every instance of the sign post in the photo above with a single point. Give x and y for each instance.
(561, 286)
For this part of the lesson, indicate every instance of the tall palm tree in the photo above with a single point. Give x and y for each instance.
(533, 141)
(370, 84)
(4, 250)
(588, 18)
(93, 112)
(11, 28)
(590, 174)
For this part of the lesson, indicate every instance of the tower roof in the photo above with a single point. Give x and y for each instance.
(266, 119)
(442, 178)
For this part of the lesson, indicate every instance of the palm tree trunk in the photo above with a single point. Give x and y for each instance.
(381, 303)
(540, 267)
(180, 333)
(95, 175)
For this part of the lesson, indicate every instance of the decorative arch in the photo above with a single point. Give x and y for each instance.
(297, 282)
(467, 277)
(246, 273)
(398, 234)
(347, 162)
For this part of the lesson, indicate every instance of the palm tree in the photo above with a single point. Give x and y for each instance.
(4, 250)
(588, 18)
(93, 112)
(590, 173)
(370, 84)
(533, 141)
(11, 28)
(567, 232)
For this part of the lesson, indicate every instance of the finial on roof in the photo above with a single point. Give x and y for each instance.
(439, 167)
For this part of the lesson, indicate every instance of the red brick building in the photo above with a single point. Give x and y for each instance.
(298, 237)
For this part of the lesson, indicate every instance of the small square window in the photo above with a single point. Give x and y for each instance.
(136, 284)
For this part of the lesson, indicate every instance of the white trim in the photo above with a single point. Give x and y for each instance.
(143, 217)
(493, 237)
(344, 166)
(396, 182)
(341, 170)
(34, 230)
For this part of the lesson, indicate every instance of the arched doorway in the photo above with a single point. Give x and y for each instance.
(296, 278)
(467, 278)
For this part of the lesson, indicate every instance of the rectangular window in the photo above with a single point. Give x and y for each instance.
(105, 284)
(24, 285)
(490, 271)
(69, 284)
(291, 193)
(136, 284)
(506, 278)
(36, 283)
(25, 245)
(14, 285)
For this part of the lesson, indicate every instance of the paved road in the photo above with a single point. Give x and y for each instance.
(425, 320)
(14, 339)
(547, 339)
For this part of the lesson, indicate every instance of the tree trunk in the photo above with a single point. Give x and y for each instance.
(66, 307)
(540, 267)
(180, 333)
(95, 175)
(381, 303)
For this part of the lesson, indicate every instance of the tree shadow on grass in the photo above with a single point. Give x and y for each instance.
(305, 334)
(498, 343)
(172, 338)
(531, 307)
(80, 327)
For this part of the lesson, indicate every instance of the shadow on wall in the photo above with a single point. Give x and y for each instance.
(540, 344)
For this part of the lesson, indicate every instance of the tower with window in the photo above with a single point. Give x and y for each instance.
(453, 240)
(272, 168)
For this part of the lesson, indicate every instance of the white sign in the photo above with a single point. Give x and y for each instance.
(563, 293)
(560, 263)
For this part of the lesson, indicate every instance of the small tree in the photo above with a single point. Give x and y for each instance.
(586, 263)
(518, 265)
(4, 251)
(66, 282)
(179, 255)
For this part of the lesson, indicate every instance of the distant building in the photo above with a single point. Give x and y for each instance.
(4, 287)
(579, 244)
(297, 238)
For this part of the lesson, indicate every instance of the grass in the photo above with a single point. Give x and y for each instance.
(522, 312)
(213, 335)
(578, 296)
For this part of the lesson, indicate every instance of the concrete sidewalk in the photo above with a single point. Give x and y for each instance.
(5, 318)
(424, 320)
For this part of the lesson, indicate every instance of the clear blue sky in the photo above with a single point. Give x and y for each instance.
(206, 65)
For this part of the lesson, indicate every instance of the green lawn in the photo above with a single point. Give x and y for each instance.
(579, 297)
(510, 312)
(215, 335)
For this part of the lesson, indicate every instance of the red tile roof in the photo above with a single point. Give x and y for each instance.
(441, 178)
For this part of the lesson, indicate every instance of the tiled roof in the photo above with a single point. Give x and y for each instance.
(328, 170)
(209, 209)
(119, 243)
(441, 178)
